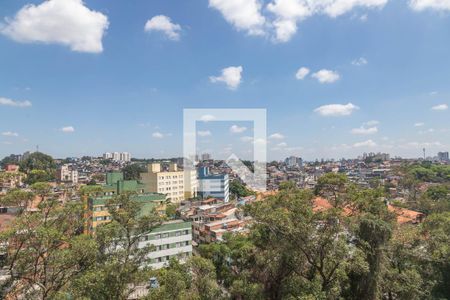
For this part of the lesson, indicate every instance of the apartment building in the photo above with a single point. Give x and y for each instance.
(174, 183)
(213, 185)
(67, 173)
(171, 240)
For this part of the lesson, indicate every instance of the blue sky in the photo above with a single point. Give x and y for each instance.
(93, 77)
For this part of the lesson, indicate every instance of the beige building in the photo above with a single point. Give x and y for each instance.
(174, 183)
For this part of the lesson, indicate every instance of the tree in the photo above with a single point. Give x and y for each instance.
(133, 172)
(239, 189)
(46, 251)
(17, 198)
(39, 167)
(333, 186)
(120, 263)
(7, 160)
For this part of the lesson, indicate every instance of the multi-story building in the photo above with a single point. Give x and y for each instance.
(213, 185)
(117, 156)
(293, 162)
(98, 211)
(174, 183)
(67, 173)
(171, 240)
(206, 156)
(443, 156)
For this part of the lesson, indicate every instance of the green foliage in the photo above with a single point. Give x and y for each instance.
(193, 280)
(333, 186)
(430, 172)
(7, 160)
(39, 167)
(47, 250)
(239, 189)
(133, 171)
(120, 264)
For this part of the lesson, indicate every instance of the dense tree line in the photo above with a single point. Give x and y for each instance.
(353, 250)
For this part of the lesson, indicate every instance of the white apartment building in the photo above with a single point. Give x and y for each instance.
(171, 240)
(173, 182)
(117, 156)
(67, 174)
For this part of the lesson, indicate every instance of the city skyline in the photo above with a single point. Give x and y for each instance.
(337, 80)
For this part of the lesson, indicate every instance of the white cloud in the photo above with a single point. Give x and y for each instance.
(244, 15)
(68, 129)
(247, 139)
(429, 130)
(10, 133)
(231, 76)
(326, 76)
(372, 123)
(419, 124)
(237, 129)
(360, 62)
(368, 143)
(204, 133)
(66, 22)
(302, 73)
(261, 142)
(10, 102)
(288, 13)
(284, 15)
(364, 131)
(336, 8)
(439, 5)
(440, 107)
(276, 136)
(207, 118)
(157, 135)
(164, 24)
(336, 110)
(282, 145)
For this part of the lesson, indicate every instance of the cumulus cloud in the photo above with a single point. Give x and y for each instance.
(10, 133)
(231, 76)
(336, 8)
(372, 123)
(336, 110)
(368, 143)
(364, 131)
(14, 103)
(66, 22)
(157, 135)
(360, 62)
(283, 16)
(68, 129)
(287, 14)
(247, 139)
(204, 133)
(302, 73)
(439, 5)
(440, 107)
(164, 24)
(244, 15)
(419, 124)
(276, 136)
(326, 76)
(237, 129)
